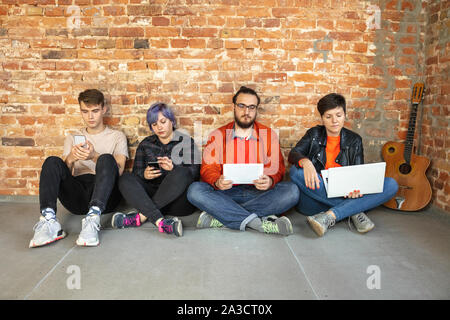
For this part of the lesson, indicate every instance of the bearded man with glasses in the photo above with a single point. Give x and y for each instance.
(258, 205)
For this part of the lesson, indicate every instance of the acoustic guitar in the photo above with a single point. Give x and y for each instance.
(407, 168)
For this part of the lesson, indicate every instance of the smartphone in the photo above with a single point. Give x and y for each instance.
(80, 139)
(153, 164)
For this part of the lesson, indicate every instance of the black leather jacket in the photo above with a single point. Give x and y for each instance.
(313, 144)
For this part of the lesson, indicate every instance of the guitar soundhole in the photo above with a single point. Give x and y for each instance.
(405, 168)
(391, 150)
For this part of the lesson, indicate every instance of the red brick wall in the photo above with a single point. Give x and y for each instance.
(436, 121)
(193, 54)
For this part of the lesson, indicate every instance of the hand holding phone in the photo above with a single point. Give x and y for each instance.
(80, 139)
(165, 163)
(153, 164)
(83, 149)
(152, 171)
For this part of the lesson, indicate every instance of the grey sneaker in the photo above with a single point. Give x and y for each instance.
(89, 232)
(362, 223)
(277, 225)
(45, 232)
(321, 222)
(207, 221)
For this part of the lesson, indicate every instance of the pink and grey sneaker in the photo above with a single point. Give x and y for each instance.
(171, 226)
(126, 220)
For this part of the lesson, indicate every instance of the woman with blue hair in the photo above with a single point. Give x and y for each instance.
(164, 167)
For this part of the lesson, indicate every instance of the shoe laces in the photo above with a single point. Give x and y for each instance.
(349, 224)
(90, 225)
(361, 218)
(216, 223)
(270, 227)
(331, 222)
(166, 225)
(41, 224)
(130, 219)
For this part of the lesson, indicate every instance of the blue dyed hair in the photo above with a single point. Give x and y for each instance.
(155, 109)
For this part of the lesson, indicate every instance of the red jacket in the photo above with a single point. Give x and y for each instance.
(222, 147)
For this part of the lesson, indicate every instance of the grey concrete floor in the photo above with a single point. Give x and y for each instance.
(406, 256)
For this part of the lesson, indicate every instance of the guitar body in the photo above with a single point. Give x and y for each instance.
(414, 191)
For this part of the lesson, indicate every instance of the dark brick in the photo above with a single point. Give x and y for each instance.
(141, 44)
(83, 32)
(57, 32)
(52, 54)
(23, 142)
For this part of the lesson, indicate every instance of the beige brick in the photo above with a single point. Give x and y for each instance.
(34, 11)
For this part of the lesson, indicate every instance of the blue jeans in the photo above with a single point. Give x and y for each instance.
(237, 206)
(315, 201)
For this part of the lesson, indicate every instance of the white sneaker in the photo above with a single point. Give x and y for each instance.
(45, 232)
(89, 231)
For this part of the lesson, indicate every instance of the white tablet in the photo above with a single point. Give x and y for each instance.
(243, 173)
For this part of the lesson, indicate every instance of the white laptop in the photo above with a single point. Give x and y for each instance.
(242, 173)
(367, 178)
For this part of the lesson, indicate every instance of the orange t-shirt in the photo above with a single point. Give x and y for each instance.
(332, 151)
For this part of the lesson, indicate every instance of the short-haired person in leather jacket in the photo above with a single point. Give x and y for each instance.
(327, 146)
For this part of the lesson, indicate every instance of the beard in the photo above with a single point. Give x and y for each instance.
(244, 125)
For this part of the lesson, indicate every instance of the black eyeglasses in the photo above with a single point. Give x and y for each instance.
(243, 106)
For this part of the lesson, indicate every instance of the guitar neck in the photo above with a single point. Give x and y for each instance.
(409, 143)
